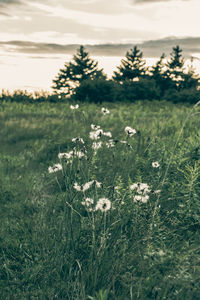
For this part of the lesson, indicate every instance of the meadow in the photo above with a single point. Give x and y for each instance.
(99, 202)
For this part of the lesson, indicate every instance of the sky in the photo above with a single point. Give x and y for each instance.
(38, 36)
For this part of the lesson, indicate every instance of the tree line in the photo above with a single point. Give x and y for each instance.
(169, 79)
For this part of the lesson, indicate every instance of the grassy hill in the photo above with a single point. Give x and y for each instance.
(120, 220)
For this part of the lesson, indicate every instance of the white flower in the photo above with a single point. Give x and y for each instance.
(142, 188)
(83, 187)
(95, 135)
(78, 139)
(105, 111)
(95, 127)
(155, 164)
(77, 187)
(103, 204)
(87, 202)
(65, 155)
(96, 145)
(87, 185)
(74, 106)
(55, 168)
(110, 144)
(78, 154)
(97, 183)
(139, 198)
(130, 131)
(134, 186)
(108, 133)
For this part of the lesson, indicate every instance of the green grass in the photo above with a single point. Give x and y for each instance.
(53, 247)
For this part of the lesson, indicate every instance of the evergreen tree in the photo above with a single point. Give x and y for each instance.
(132, 67)
(175, 67)
(81, 68)
(191, 78)
(160, 75)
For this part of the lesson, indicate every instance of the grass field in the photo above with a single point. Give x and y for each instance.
(109, 225)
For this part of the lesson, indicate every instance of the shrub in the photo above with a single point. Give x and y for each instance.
(97, 91)
(140, 90)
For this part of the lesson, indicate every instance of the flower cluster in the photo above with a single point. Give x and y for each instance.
(98, 132)
(142, 190)
(55, 168)
(103, 204)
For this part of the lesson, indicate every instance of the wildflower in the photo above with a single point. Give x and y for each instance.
(95, 135)
(142, 188)
(130, 131)
(97, 183)
(87, 202)
(79, 154)
(139, 198)
(103, 204)
(110, 144)
(84, 187)
(155, 164)
(78, 139)
(95, 127)
(105, 111)
(108, 133)
(96, 145)
(55, 168)
(77, 187)
(87, 185)
(73, 107)
(65, 155)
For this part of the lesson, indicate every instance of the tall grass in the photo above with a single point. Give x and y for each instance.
(57, 243)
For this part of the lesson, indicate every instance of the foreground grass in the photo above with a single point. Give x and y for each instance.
(53, 247)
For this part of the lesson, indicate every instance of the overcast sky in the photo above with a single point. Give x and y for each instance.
(35, 35)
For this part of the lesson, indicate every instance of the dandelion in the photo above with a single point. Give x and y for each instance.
(105, 111)
(87, 202)
(95, 127)
(96, 145)
(155, 164)
(78, 139)
(103, 205)
(73, 107)
(55, 168)
(130, 131)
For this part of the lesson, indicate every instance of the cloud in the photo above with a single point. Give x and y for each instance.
(154, 1)
(153, 48)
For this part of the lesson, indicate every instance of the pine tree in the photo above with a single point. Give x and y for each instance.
(175, 66)
(81, 68)
(132, 67)
(160, 75)
(191, 78)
